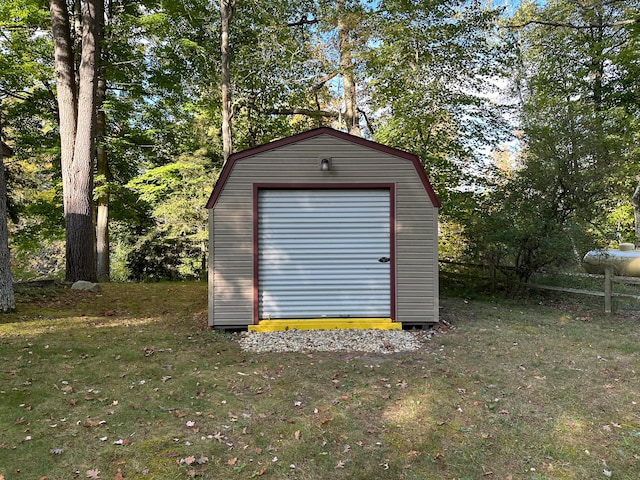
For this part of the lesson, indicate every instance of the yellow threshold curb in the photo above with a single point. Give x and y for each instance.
(325, 324)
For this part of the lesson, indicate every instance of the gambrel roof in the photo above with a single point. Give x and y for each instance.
(236, 157)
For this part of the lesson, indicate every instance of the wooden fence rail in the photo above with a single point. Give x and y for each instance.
(609, 280)
(607, 292)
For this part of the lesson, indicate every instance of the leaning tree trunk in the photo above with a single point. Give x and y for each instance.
(77, 108)
(7, 299)
(226, 13)
(346, 68)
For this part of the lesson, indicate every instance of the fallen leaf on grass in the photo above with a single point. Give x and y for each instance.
(118, 475)
(94, 473)
(260, 472)
(296, 435)
(340, 464)
(88, 423)
(232, 461)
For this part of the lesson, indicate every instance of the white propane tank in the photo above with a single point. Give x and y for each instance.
(625, 261)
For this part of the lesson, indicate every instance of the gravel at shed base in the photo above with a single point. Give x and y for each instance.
(349, 340)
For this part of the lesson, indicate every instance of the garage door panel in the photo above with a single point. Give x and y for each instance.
(319, 250)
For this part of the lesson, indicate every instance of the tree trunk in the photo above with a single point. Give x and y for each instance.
(635, 200)
(103, 196)
(226, 13)
(77, 107)
(7, 299)
(346, 68)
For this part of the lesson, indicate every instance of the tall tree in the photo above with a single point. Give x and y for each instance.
(77, 113)
(26, 84)
(7, 299)
(432, 71)
(580, 111)
(102, 189)
(226, 15)
(345, 49)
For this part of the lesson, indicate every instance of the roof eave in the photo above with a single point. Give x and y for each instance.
(226, 169)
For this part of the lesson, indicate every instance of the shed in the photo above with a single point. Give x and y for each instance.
(323, 230)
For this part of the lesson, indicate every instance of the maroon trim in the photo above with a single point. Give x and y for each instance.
(390, 187)
(256, 255)
(228, 167)
(392, 250)
(321, 186)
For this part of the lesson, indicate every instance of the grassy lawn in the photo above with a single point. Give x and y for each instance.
(129, 383)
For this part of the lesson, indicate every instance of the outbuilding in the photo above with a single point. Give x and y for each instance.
(323, 230)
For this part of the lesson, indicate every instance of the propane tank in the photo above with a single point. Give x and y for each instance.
(625, 261)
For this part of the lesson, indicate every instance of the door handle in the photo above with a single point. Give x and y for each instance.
(384, 259)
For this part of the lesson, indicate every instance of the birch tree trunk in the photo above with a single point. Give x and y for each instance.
(226, 14)
(7, 298)
(77, 109)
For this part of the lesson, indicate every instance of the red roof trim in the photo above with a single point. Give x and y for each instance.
(228, 167)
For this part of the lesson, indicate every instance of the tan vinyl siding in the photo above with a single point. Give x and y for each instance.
(231, 240)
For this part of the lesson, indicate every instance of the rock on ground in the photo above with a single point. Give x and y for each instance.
(86, 286)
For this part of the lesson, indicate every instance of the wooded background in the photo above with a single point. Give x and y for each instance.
(120, 114)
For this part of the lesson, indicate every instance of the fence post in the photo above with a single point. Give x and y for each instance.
(608, 289)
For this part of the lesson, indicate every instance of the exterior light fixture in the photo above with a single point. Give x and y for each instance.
(325, 164)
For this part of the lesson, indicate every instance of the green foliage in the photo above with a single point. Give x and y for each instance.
(174, 195)
(568, 187)
(432, 71)
(429, 76)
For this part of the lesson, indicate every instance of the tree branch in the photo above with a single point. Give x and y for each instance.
(621, 23)
(324, 80)
(17, 96)
(295, 111)
(303, 21)
(367, 121)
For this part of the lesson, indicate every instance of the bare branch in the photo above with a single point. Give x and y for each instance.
(324, 80)
(621, 23)
(303, 21)
(367, 121)
(296, 111)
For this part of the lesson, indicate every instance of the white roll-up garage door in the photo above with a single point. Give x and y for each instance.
(323, 253)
